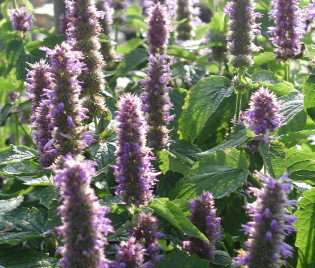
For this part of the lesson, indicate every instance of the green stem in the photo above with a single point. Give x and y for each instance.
(17, 134)
(116, 35)
(14, 4)
(26, 133)
(287, 71)
(238, 106)
(95, 122)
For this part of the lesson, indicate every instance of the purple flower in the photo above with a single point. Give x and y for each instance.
(263, 114)
(157, 101)
(66, 111)
(130, 254)
(83, 31)
(204, 218)
(40, 82)
(158, 29)
(13, 96)
(241, 33)
(290, 27)
(170, 6)
(147, 234)
(21, 20)
(270, 225)
(84, 225)
(133, 169)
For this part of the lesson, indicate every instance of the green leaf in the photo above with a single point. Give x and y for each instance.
(202, 101)
(34, 180)
(261, 59)
(301, 165)
(5, 113)
(181, 52)
(47, 195)
(21, 257)
(220, 174)
(168, 161)
(103, 153)
(137, 23)
(293, 138)
(166, 183)
(305, 236)
(292, 109)
(221, 258)
(130, 45)
(15, 154)
(237, 138)
(181, 260)
(20, 168)
(265, 76)
(309, 92)
(274, 156)
(24, 224)
(185, 151)
(173, 214)
(10, 204)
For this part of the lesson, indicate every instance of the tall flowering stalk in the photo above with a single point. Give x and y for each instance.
(40, 81)
(66, 113)
(146, 232)
(241, 33)
(84, 225)
(83, 33)
(158, 33)
(157, 102)
(185, 30)
(263, 113)
(270, 225)
(204, 218)
(133, 169)
(290, 27)
(21, 20)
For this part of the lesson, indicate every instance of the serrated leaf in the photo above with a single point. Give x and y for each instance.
(274, 156)
(220, 174)
(262, 58)
(173, 214)
(168, 161)
(221, 258)
(293, 138)
(24, 168)
(301, 165)
(10, 204)
(309, 92)
(265, 76)
(202, 101)
(181, 260)
(47, 195)
(21, 257)
(103, 153)
(34, 180)
(305, 236)
(24, 224)
(181, 52)
(185, 151)
(5, 112)
(14, 154)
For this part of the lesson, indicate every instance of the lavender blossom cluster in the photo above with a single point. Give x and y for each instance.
(158, 30)
(84, 225)
(157, 104)
(66, 111)
(241, 32)
(263, 113)
(21, 20)
(39, 85)
(83, 34)
(270, 225)
(289, 29)
(133, 169)
(204, 218)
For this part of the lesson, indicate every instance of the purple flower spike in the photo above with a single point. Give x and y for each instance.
(263, 115)
(83, 32)
(158, 29)
(21, 20)
(66, 111)
(84, 225)
(241, 33)
(204, 218)
(270, 225)
(289, 29)
(147, 234)
(130, 254)
(40, 81)
(157, 101)
(133, 169)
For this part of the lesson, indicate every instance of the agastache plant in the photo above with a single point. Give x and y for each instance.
(66, 113)
(185, 30)
(146, 232)
(270, 225)
(263, 113)
(158, 33)
(203, 216)
(39, 85)
(83, 33)
(84, 225)
(133, 169)
(157, 102)
(290, 27)
(21, 20)
(241, 32)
